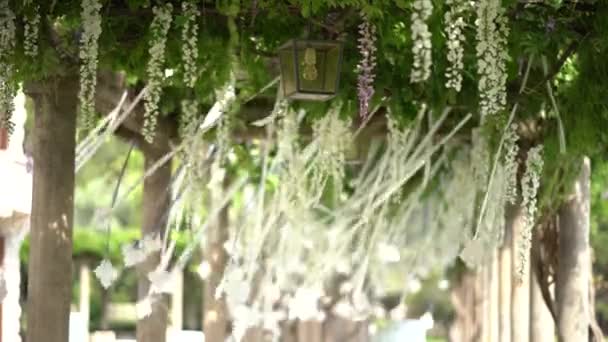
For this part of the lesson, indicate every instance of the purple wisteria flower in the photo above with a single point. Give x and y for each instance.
(365, 68)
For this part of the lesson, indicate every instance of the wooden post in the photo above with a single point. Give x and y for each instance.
(478, 303)
(1, 264)
(485, 296)
(177, 301)
(505, 289)
(85, 293)
(520, 289)
(3, 146)
(542, 326)
(310, 331)
(494, 299)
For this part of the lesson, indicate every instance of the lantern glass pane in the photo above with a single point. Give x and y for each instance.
(332, 70)
(288, 69)
(312, 75)
(310, 69)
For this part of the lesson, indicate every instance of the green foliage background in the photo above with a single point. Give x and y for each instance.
(542, 31)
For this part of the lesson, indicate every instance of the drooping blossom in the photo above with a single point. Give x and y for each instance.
(367, 65)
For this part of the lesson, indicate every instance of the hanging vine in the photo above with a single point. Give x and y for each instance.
(366, 66)
(333, 137)
(454, 29)
(530, 183)
(30, 35)
(189, 107)
(89, 51)
(421, 37)
(8, 87)
(511, 164)
(492, 55)
(155, 70)
(189, 42)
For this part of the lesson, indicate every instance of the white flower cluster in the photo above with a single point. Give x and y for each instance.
(458, 210)
(143, 307)
(155, 70)
(235, 288)
(8, 88)
(30, 40)
(530, 183)
(302, 188)
(334, 137)
(304, 305)
(510, 163)
(244, 317)
(223, 107)
(480, 159)
(223, 137)
(135, 253)
(398, 142)
(356, 308)
(189, 41)
(106, 273)
(89, 50)
(491, 51)
(161, 280)
(494, 216)
(489, 229)
(188, 118)
(421, 37)
(474, 253)
(287, 134)
(454, 27)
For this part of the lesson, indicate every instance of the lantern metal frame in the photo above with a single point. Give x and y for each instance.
(295, 45)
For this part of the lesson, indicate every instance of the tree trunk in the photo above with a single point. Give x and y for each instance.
(489, 295)
(50, 261)
(572, 283)
(504, 299)
(215, 313)
(520, 293)
(156, 201)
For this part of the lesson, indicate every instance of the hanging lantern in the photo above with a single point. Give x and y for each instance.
(310, 70)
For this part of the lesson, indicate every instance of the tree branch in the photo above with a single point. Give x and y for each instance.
(570, 50)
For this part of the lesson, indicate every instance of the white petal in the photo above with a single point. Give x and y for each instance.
(106, 273)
